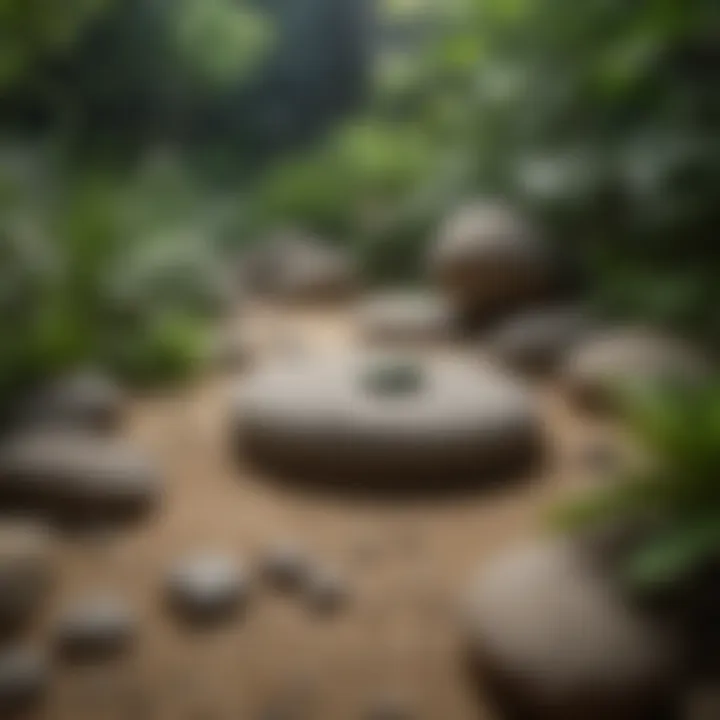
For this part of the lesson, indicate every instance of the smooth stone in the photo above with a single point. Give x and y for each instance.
(286, 566)
(488, 258)
(97, 627)
(207, 587)
(361, 420)
(26, 571)
(550, 638)
(595, 369)
(77, 475)
(24, 677)
(536, 341)
(87, 400)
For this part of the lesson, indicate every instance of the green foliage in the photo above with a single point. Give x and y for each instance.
(677, 490)
(31, 30)
(220, 40)
(108, 270)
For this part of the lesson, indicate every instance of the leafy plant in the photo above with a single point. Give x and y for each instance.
(102, 269)
(677, 491)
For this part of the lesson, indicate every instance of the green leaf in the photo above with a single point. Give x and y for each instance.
(677, 551)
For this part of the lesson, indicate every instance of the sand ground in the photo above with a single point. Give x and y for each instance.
(407, 562)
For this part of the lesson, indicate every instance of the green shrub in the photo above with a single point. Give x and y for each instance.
(677, 491)
(107, 270)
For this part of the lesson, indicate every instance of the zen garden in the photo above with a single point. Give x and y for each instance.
(358, 360)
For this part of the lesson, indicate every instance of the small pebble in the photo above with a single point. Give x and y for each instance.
(286, 567)
(326, 591)
(207, 587)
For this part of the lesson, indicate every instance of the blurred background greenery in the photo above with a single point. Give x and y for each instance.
(144, 140)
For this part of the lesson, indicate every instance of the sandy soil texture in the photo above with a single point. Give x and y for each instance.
(406, 560)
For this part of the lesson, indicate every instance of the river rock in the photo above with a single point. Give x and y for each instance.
(76, 475)
(536, 341)
(549, 638)
(96, 628)
(207, 587)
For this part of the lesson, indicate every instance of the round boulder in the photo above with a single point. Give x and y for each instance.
(549, 638)
(629, 356)
(536, 341)
(406, 318)
(26, 572)
(206, 588)
(487, 258)
(76, 475)
(385, 420)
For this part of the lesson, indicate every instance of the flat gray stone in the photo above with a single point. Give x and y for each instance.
(207, 587)
(76, 474)
(96, 628)
(344, 418)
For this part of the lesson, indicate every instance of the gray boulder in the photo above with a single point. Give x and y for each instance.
(549, 638)
(488, 258)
